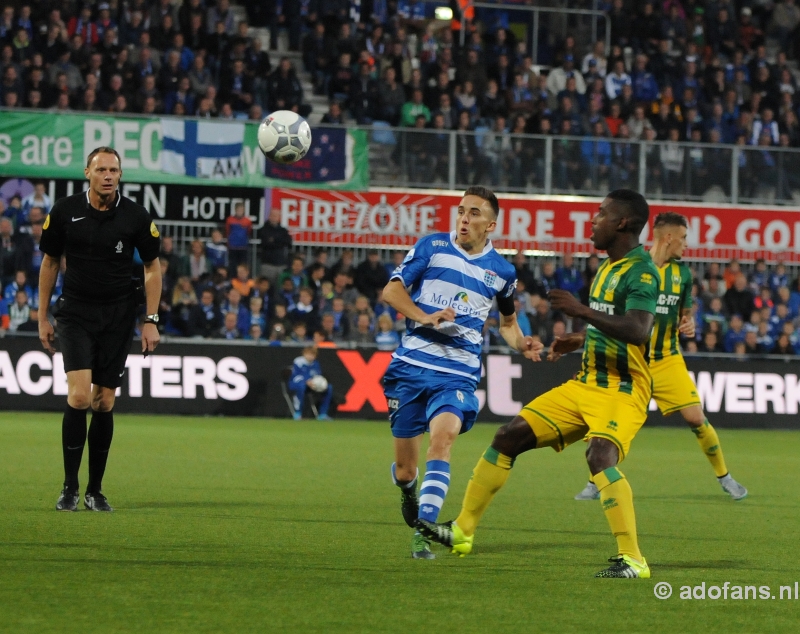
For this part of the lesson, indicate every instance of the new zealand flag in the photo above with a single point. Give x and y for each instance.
(328, 160)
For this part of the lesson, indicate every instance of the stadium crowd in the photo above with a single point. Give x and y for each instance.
(691, 70)
(673, 66)
(210, 292)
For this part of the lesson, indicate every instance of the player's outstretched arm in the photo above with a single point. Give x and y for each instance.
(512, 335)
(47, 281)
(633, 327)
(396, 295)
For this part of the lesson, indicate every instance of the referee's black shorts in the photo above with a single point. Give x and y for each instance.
(96, 337)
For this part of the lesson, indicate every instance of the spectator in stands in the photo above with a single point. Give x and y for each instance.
(305, 310)
(19, 283)
(370, 275)
(334, 115)
(734, 334)
(256, 313)
(557, 78)
(11, 254)
(783, 345)
(183, 95)
(216, 251)
(784, 23)
(205, 319)
(363, 96)
(568, 276)
(738, 299)
(285, 91)
(295, 274)
(243, 282)
(229, 329)
(178, 264)
(316, 274)
(184, 299)
(751, 344)
(439, 147)
(200, 77)
(339, 308)
(386, 337)
(198, 265)
(233, 305)
(541, 322)
(497, 151)
(38, 198)
(616, 80)
(413, 109)
(391, 97)
(19, 311)
(341, 80)
(239, 228)
(361, 306)
(362, 334)
(472, 70)
(14, 212)
(469, 163)
(710, 342)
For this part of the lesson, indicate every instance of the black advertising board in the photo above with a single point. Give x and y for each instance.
(202, 378)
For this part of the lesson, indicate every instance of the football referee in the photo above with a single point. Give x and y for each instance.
(97, 231)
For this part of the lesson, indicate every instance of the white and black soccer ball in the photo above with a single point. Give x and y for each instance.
(319, 383)
(284, 137)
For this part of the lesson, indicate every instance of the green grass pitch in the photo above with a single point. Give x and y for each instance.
(247, 525)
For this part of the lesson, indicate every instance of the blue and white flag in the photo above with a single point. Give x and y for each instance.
(202, 149)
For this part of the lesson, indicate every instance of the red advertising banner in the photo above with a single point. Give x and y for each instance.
(561, 224)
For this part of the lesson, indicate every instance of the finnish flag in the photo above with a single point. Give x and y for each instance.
(202, 149)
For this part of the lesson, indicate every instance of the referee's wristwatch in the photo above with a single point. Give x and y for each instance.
(151, 319)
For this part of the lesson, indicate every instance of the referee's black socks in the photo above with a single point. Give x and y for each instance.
(73, 439)
(101, 431)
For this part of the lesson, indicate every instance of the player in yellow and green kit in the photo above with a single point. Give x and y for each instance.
(605, 403)
(673, 388)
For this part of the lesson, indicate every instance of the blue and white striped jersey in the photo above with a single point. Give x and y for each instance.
(438, 273)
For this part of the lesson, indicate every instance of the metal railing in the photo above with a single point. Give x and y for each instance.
(585, 166)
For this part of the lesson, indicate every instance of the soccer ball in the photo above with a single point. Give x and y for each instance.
(284, 136)
(319, 383)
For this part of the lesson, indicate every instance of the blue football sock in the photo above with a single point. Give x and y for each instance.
(434, 489)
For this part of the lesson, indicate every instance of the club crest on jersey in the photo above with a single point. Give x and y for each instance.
(489, 277)
(613, 282)
(676, 280)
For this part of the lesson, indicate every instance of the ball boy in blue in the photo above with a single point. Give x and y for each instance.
(445, 287)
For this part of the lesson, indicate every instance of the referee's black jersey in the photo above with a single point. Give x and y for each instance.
(99, 245)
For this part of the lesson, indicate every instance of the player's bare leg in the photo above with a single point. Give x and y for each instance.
(709, 443)
(404, 475)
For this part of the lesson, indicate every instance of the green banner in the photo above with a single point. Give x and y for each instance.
(55, 145)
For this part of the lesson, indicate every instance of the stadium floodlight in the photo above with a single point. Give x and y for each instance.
(443, 13)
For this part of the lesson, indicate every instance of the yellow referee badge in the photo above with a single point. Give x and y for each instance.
(153, 230)
(46, 222)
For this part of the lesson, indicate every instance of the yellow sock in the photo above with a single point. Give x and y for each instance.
(488, 477)
(616, 497)
(709, 443)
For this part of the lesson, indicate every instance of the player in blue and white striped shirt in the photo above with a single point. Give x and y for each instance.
(445, 288)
